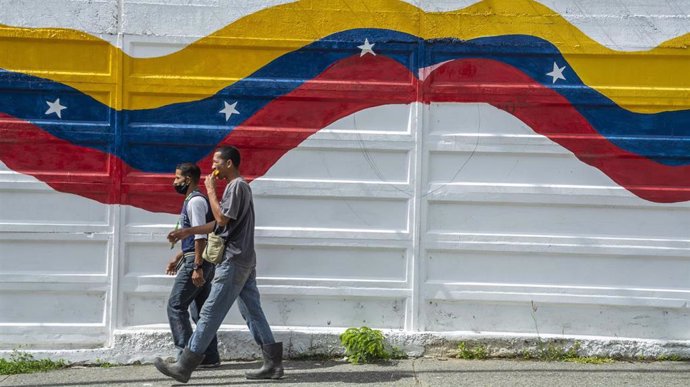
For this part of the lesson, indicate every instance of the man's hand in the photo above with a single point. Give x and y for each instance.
(171, 268)
(210, 183)
(198, 277)
(176, 235)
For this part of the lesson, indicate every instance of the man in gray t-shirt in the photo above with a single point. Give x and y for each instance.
(237, 205)
(235, 276)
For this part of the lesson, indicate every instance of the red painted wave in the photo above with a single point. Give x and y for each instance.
(551, 115)
(343, 89)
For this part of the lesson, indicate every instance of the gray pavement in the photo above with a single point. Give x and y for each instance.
(411, 372)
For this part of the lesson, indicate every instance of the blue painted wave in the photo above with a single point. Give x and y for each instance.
(155, 140)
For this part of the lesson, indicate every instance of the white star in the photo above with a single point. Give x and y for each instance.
(229, 110)
(556, 73)
(55, 107)
(366, 48)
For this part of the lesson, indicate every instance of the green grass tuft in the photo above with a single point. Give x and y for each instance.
(477, 352)
(552, 352)
(672, 357)
(103, 364)
(591, 360)
(24, 363)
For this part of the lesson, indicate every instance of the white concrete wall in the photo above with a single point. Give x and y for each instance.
(398, 217)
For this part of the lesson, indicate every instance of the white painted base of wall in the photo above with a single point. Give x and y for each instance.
(134, 346)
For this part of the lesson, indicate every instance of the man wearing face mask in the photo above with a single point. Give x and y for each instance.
(193, 281)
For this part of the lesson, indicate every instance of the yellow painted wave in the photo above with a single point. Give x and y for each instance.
(649, 81)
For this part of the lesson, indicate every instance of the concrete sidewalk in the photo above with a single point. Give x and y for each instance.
(411, 372)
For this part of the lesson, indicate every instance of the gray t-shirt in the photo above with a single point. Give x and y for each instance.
(237, 204)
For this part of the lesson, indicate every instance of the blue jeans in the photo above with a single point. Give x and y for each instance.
(184, 296)
(231, 282)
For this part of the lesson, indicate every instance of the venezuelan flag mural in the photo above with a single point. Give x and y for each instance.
(413, 162)
(532, 71)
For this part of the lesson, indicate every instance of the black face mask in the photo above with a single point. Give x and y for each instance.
(181, 189)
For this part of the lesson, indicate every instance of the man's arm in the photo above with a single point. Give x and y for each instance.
(221, 219)
(197, 210)
(198, 275)
(182, 233)
(199, 246)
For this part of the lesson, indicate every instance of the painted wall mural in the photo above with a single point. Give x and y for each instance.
(437, 140)
(534, 72)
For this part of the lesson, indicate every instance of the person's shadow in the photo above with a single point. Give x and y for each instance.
(311, 371)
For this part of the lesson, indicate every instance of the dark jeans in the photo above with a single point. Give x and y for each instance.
(184, 296)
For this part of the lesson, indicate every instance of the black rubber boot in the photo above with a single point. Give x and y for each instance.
(273, 363)
(182, 369)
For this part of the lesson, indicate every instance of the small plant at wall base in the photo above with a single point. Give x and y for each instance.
(477, 352)
(24, 363)
(102, 363)
(672, 357)
(555, 352)
(364, 345)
